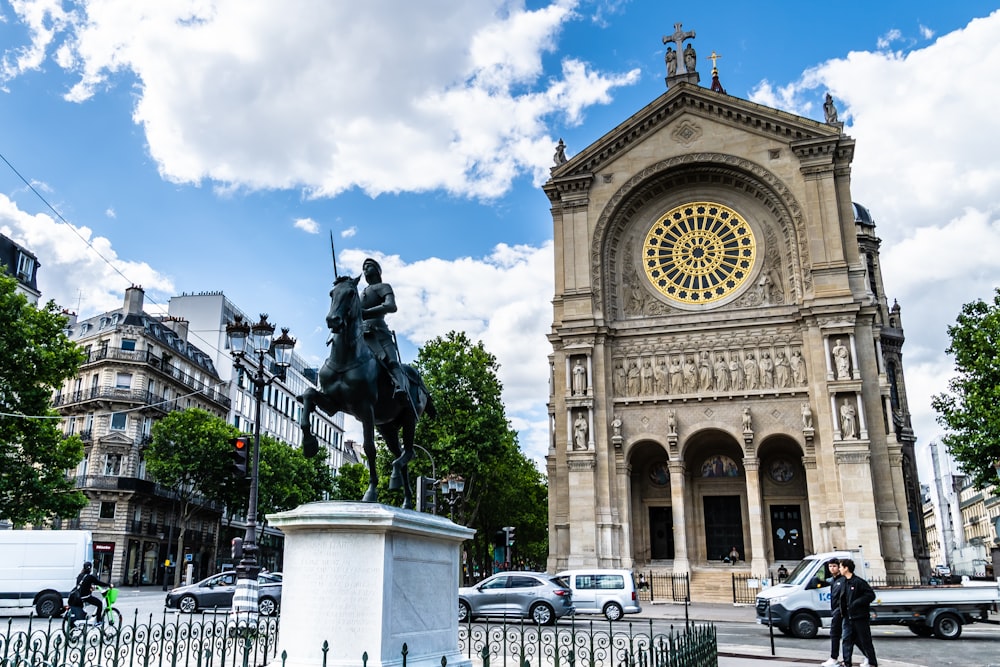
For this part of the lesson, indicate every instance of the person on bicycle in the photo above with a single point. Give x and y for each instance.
(85, 582)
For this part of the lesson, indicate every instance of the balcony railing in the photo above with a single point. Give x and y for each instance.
(148, 358)
(145, 486)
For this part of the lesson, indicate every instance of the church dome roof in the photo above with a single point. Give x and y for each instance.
(862, 216)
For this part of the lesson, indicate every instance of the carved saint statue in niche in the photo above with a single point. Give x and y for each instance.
(782, 371)
(579, 379)
(580, 432)
(842, 359)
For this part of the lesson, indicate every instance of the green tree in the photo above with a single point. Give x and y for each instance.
(350, 482)
(472, 437)
(35, 359)
(190, 453)
(969, 409)
(288, 479)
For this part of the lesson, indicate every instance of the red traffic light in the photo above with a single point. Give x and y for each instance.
(241, 448)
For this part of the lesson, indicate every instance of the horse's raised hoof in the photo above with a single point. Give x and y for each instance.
(371, 495)
(310, 445)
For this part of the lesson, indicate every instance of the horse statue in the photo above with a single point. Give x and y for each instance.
(353, 381)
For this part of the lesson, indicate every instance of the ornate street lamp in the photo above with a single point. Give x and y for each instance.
(452, 487)
(246, 340)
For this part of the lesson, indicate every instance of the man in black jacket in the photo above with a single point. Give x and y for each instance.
(836, 583)
(85, 582)
(856, 598)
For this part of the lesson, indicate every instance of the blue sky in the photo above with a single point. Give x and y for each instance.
(213, 145)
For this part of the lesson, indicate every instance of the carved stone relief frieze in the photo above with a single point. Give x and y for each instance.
(690, 366)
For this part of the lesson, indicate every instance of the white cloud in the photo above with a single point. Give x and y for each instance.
(227, 93)
(110, 212)
(307, 225)
(886, 40)
(349, 232)
(926, 170)
(71, 273)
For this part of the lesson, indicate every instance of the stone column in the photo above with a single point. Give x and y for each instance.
(855, 371)
(678, 505)
(755, 516)
(860, 518)
(862, 421)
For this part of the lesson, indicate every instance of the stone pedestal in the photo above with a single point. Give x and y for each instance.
(369, 578)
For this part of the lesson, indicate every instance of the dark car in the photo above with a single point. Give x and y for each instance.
(540, 597)
(217, 592)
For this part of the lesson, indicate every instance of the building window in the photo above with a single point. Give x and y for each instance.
(71, 426)
(25, 267)
(128, 344)
(107, 510)
(113, 464)
(123, 381)
(118, 421)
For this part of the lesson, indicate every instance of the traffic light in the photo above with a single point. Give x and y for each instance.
(425, 492)
(509, 531)
(241, 450)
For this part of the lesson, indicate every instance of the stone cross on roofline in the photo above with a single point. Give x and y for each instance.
(680, 63)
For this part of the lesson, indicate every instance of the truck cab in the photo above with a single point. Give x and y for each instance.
(801, 605)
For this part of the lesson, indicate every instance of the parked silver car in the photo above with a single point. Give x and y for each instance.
(537, 596)
(217, 592)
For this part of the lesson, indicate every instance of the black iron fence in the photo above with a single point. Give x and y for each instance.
(588, 644)
(209, 641)
(662, 587)
(206, 641)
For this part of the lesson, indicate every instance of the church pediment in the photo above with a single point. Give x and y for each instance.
(685, 112)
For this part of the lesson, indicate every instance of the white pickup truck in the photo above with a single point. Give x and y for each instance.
(801, 605)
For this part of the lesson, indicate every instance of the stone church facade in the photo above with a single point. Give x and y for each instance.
(726, 367)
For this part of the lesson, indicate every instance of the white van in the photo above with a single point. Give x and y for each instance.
(38, 568)
(609, 592)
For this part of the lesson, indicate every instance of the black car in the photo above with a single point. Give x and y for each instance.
(216, 592)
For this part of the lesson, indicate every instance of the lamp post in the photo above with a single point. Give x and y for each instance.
(255, 340)
(452, 487)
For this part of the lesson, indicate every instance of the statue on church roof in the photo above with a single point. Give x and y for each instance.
(690, 59)
(671, 59)
(829, 110)
(560, 156)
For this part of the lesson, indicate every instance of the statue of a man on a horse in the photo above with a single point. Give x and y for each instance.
(364, 378)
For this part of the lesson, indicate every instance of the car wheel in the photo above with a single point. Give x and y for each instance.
(613, 611)
(268, 606)
(804, 626)
(188, 604)
(49, 605)
(464, 613)
(947, 626)
(920, 630)
(542, 614)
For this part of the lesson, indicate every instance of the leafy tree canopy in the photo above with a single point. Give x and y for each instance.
(472, 437)
(968, 410)
(35, 358)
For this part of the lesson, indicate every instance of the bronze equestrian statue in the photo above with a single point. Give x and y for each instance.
(364, 378)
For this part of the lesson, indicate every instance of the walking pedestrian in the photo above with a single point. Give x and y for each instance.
(836, 583)
(856, 598)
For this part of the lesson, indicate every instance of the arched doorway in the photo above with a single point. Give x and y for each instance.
(651, 504)
(785, 499)
(718, 498)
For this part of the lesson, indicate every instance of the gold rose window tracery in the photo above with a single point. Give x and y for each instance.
(699, 252)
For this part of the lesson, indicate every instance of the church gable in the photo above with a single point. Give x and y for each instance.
(686, 113)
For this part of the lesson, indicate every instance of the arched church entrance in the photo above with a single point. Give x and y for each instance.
(651, 504)
(714, 460)
(785, 499)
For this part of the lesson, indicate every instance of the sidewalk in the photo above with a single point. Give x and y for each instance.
(736, 655)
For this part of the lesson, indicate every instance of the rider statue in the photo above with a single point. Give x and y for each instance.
(377, 299)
